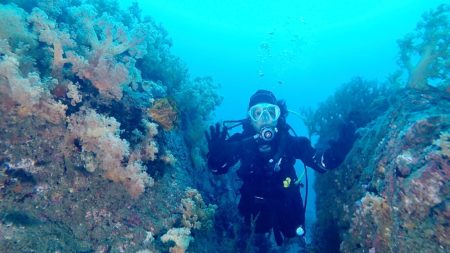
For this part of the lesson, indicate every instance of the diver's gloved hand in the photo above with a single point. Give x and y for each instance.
(338, 150)
(217, 160)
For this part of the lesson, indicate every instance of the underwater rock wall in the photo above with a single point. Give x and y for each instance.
(392, 194)
(101, 133)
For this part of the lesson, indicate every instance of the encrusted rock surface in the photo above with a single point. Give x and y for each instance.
(392, 194)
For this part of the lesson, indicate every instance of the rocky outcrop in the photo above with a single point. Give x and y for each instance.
(392, 194)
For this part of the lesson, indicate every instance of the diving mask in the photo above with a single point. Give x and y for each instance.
(264, 112)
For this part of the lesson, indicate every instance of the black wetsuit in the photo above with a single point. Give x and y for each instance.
(269, 194)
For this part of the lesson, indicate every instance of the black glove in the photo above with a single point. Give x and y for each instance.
(338, 150)
(217, 155)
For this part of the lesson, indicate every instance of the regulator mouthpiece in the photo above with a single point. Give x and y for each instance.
(267, 133)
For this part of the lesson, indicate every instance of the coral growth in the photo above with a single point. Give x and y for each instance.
(424, 53)
(164, 112)
(48, 33)
(169, 159)
(102, 148)
(76, 139)
(26, 96)
(181, 237)
(444, 143)
(371, 222)
(196, 214)
(100, 65)
(14, 27)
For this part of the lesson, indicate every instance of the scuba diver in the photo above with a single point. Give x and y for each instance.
(270, 193)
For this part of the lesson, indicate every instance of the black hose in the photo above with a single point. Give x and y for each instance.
(306, 190)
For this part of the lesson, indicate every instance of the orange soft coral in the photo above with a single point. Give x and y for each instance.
(164, 112)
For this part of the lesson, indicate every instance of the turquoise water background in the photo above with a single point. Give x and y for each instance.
(301, 50)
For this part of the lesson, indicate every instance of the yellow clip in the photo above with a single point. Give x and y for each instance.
(287, 182)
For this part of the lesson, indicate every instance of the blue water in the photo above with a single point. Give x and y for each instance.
(301, 50)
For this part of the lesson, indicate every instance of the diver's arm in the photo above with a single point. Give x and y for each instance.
(339, 148)
(332, 157)
(223, 152)
(301, 146)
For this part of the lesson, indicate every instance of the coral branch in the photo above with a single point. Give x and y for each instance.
(49, 33)
(425, 53)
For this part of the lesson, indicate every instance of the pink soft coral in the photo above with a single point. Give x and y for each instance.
(106, 52)
(27, 93)
(49, 33)
(102, 148)
(103, 67)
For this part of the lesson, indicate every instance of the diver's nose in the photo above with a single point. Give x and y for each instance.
(265, 116)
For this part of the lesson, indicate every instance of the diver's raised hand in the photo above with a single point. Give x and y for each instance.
(216, 139)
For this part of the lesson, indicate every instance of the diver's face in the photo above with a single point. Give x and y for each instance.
(264, 115)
